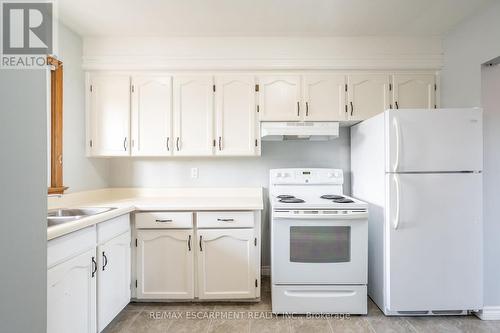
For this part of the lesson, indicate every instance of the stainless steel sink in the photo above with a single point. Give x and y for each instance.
(64, 215)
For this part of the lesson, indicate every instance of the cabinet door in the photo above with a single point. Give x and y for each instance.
(165, 264)
(109, 115)
(71, 291)
(235, 115)
(279, 98)
(324, 97)
(226, 263)
(368, 95)
(113, 287)
(151, 115)
(193, 115)
(414, 91)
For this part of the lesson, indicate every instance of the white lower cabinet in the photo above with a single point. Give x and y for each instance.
(165, 264)
(71, 295)
(226, 263)
(113, 278)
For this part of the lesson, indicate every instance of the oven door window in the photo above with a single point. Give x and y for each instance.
(324, 244)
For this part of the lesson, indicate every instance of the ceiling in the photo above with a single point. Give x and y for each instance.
(176, 18)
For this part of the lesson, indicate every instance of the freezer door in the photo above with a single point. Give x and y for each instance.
(433, 234)
(434, 140)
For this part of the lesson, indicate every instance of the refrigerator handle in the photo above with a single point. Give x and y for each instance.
(396, 132)
(398, 201)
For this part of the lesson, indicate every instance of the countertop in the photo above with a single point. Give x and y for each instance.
(128, 200)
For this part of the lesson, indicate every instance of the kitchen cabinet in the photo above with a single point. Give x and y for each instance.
(226, 263)
(279, 98)
(193, 115)
(324, 97)
(113, 287)
(367, 95)
(415, 91)
(71, 295)
(165, 264)
(108, 122)
(236, 125)
(151, 115)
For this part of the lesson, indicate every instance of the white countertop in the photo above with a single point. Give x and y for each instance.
(140, 199)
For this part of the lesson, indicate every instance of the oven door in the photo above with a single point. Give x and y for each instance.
(312, 248)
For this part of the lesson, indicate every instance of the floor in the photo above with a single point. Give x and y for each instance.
(256, 317)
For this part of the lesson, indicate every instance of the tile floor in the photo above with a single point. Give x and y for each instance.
(256, 317)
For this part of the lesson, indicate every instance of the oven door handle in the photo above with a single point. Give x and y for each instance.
(320, 293)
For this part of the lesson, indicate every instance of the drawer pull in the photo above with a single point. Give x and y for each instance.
(225, 220)
(164, 221)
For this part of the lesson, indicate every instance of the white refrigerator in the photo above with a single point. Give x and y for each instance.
(420, 172)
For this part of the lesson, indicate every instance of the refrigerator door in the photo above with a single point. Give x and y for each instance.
(434, 140)
(433, 234)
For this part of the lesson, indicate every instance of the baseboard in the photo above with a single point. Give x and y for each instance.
(265, 271)
(489, 313)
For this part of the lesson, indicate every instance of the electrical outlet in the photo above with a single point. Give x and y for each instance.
(194, 173)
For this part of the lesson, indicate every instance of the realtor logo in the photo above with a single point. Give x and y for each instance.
(27, 33)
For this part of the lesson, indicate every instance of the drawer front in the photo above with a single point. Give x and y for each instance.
(65, 247)
(164, 220)
(225, 219)
(112, 228)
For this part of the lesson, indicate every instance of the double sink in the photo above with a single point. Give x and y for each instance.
(64, 215)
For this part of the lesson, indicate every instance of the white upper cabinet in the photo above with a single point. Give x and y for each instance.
(324, 97)
(236, 124)
(193, 115)
(151, 115)
(280, 97)
(71, 295)
(108, 115)
(415, 91)
(367, 95)
(226, 263)
(165, 264)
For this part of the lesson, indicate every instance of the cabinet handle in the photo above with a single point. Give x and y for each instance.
(105, 260)
(125, 144)
(201, 248)
(168, 144)
(352, 108)
(225, 220)
(307, 109)
(164, 221)
(94, 266)
(220, 143)
(177, 143)
(298, 109)
(189, 243)
(397, 106)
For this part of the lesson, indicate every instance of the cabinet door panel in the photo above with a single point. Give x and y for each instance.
(324, 96)
(279, 98)
(226, 263)
(152, 115)
(235, 115)
(113, 288)
(193, 115)
(414, 91)
(368, 95)
(109, 117)
(165, 264)
(71, 290)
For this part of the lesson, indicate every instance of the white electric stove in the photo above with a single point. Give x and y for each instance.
(318, 243)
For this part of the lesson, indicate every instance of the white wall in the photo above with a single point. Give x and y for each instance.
(23, 201)
(234, 172)
(469, 45)
(80, 173)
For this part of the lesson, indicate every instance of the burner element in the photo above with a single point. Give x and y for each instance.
(285, 196)
(343, 200)
(292, 200)
(332, 196)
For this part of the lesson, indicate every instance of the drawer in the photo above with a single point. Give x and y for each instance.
(164, 220)
(68, 246)
(225, 219)
(112, 228)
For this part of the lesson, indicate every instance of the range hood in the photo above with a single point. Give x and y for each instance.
(313, 131)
